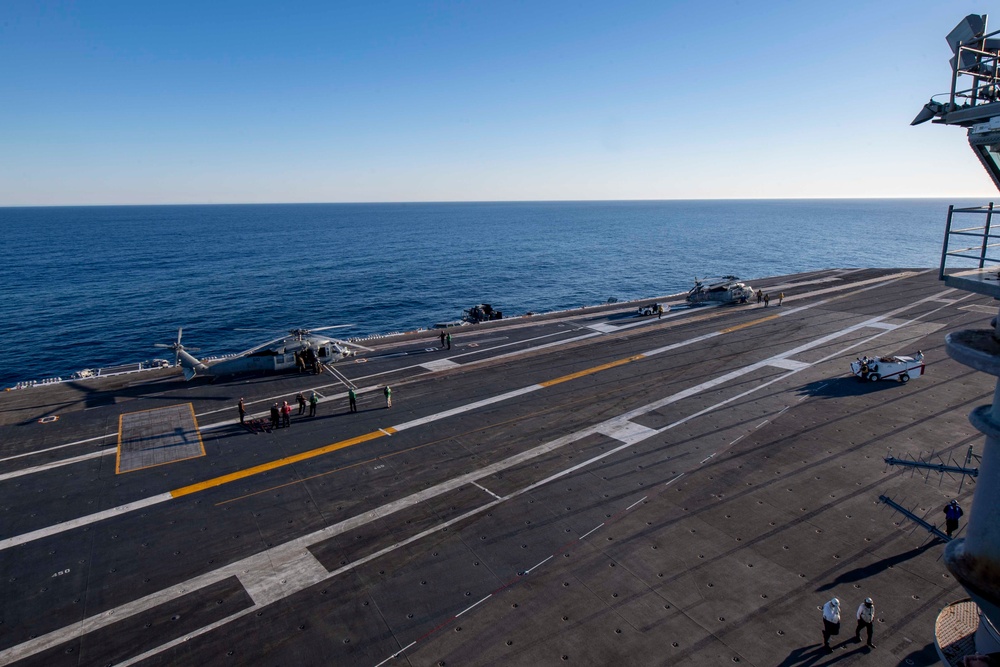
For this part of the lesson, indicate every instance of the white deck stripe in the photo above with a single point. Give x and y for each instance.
(788, 364)
(58, 464)
(68, 444)
(466, 408)
(439, 365)
(82, 521)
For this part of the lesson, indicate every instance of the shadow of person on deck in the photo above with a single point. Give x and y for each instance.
(872, 569)
(817, 656)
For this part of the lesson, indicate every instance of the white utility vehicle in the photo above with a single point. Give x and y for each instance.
(889, 368)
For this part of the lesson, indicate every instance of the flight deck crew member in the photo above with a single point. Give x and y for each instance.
(781, 296)
(301, 401)
(448, 338)
(353, 398)
(275, 415)
(388, 396)
(313, 401)
(243, 411)
(831, 621)
(760, 295)
(866, 615)
(286, 414)
(767, 299)
(952, 513)
(442, 339)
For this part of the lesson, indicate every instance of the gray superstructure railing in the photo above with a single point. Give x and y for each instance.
(978, 253)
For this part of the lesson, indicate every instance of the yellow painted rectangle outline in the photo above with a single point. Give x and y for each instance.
(118, 454)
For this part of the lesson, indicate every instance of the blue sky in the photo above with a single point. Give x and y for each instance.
(177, 102)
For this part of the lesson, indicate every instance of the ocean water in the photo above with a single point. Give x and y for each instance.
(97, 286)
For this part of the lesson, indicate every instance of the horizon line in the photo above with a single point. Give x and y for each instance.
(488, 201)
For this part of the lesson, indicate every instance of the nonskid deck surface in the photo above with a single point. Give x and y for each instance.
(589, 488)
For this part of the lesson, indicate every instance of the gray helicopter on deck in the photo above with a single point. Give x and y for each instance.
(727, 289)
(304, 349)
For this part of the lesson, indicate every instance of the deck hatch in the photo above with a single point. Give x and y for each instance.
(156, 437)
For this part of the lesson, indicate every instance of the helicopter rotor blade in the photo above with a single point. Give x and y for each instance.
(360, 347)
(334, 326)
(164, 346)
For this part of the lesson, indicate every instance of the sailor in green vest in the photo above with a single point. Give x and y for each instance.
(313, 402)
(353, 399)
(388, 396)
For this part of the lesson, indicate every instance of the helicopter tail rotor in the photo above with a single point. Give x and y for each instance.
(182, 356)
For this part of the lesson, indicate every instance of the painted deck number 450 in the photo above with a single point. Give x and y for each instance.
(60, 573)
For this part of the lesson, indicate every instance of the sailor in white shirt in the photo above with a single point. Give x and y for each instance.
(866, 616)
(831, 621)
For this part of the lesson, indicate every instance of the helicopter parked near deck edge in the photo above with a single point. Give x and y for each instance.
(301, 348)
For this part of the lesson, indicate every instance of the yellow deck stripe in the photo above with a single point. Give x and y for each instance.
(589, 371)
(749, 324)
(288, 460)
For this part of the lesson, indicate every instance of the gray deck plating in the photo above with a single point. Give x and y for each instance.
(591, 488)
(154, 437)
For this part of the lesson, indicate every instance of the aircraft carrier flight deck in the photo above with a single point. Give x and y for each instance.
(589, 487)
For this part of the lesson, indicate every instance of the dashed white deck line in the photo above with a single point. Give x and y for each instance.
(439, 365)
(626, 431)
(788, 364)
(487, 490)
(57, 464)
(83, 521)
(473, 606)
(397, 653)
(592, 530)
(635, 503)
(537, 565)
